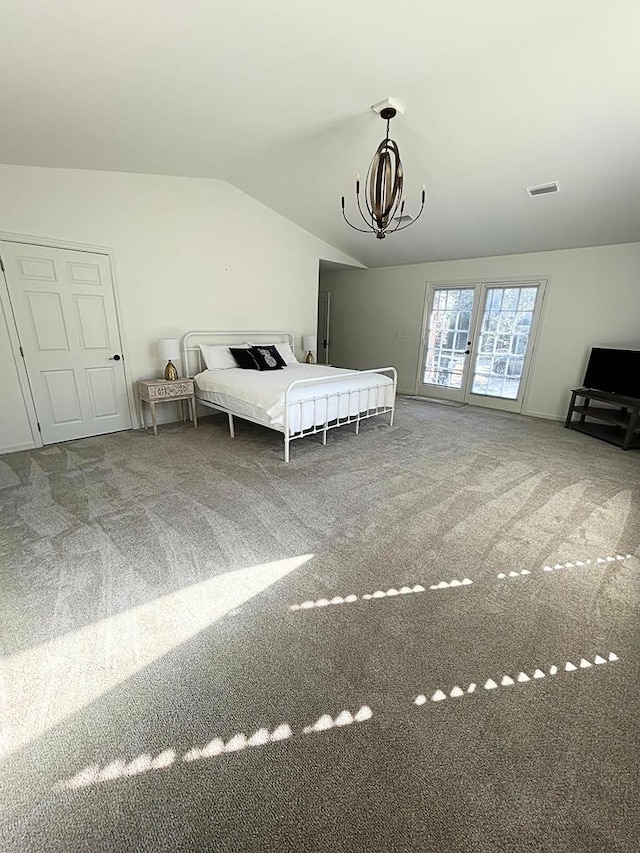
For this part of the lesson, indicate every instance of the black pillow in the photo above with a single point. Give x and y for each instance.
(267, 357)
(244, 358)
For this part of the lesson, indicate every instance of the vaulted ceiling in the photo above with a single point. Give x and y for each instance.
(274, 97)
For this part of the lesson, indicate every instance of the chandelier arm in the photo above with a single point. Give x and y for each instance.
(364, 218)
(359, 210)
(355, 228)
(415, 219)
(350, 224)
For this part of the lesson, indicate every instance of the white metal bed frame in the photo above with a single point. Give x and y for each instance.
(188, 349)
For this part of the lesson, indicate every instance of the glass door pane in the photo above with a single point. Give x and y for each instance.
(503, 341)
(448, 342)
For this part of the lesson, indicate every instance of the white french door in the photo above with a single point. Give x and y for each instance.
(478, 341)
(64, 309)
(451, 317)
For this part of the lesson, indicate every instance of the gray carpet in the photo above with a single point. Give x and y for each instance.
(177, 677)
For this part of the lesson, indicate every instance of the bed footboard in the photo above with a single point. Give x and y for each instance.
(329, 410)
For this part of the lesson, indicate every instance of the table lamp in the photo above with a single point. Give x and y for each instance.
(309, 345)
(168, 350)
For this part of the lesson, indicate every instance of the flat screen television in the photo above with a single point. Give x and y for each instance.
(614, 370)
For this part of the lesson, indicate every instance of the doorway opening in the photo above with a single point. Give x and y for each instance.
(324, 303)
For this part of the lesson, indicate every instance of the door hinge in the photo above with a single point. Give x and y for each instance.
(1, 264)
(21, 352)
(39, 428)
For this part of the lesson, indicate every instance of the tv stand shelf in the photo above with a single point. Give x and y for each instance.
(617, 422)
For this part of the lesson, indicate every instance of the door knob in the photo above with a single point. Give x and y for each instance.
(467, 352)
(114, 358)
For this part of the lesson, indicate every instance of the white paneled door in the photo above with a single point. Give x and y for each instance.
(64, 308)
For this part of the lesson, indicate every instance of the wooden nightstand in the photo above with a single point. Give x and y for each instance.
(152, 391)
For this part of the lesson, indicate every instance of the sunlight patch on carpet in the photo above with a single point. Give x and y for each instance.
(94, 774)
(578, 564)
(458, 692)
(344, 718)
(120, 768)
(378, 594)
(452, 583)
(52, 681)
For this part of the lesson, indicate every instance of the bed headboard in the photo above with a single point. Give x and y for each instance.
(190, 346)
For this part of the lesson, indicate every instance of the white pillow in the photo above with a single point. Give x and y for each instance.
(219, 357)
(284, 349)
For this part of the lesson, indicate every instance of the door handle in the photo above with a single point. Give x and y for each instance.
(114, 357)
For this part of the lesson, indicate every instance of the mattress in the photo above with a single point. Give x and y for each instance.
(260, 395)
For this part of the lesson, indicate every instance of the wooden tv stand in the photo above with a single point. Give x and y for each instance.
(617, 422)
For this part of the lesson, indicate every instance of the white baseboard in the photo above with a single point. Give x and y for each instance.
(15, 448)
(439, 402)
(544, 415)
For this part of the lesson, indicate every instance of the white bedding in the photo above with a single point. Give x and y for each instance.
(260, 395)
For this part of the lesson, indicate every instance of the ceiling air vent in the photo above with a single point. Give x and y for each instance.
(544, 189)
(402, 220)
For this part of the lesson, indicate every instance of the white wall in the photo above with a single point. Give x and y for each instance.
(593, 298)
(189, 253)
(15, 432)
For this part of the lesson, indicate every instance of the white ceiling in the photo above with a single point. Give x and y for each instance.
(274, 97)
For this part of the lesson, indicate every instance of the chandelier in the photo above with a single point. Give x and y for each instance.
(384, 198)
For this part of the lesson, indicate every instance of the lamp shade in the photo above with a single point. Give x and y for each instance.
(309, 343)
(168, 349)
